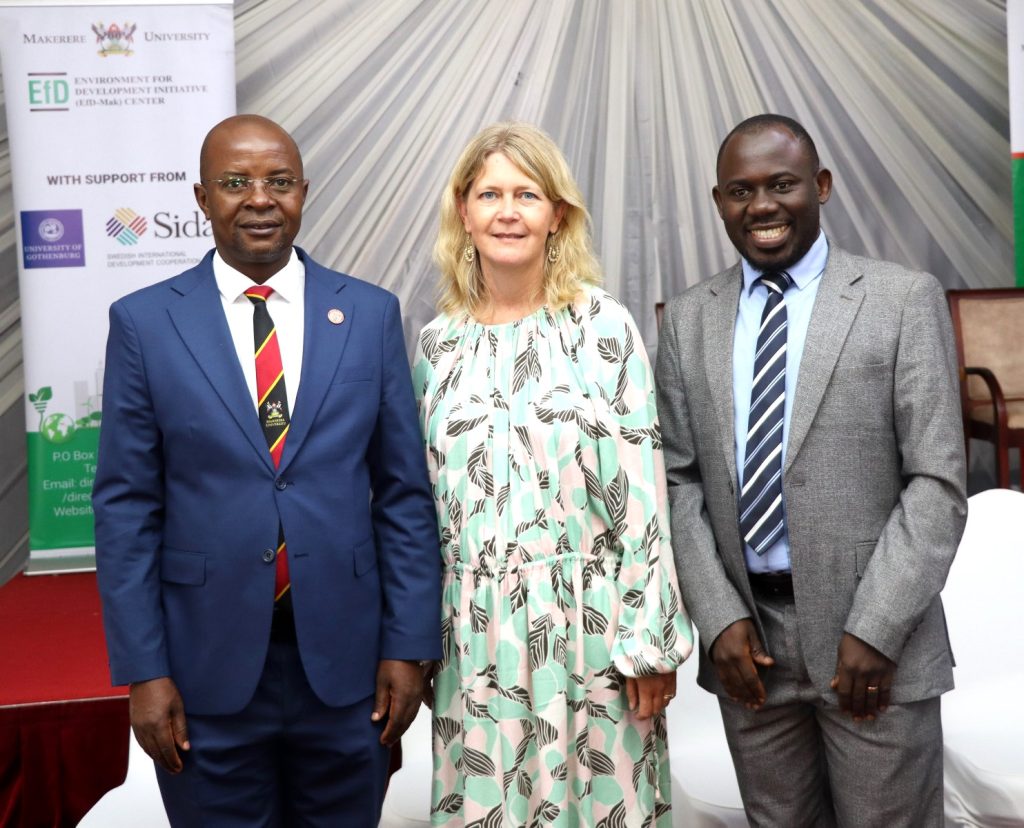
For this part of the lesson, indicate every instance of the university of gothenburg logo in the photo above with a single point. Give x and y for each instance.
(51, 229)
(52, 238)
(114, 39)
(126, 225)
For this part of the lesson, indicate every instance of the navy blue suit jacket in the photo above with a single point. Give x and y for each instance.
(187, 499)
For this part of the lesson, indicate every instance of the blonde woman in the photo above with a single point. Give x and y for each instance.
(562, 620)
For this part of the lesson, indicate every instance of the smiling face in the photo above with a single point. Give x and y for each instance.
(253, 229)
(769, 196)
(509, 219)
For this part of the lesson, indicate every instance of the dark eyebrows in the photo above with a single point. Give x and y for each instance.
(746, 182)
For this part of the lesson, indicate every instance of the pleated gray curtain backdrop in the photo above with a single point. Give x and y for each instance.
(907, 100)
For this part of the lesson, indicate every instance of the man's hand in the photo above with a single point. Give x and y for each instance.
(649, 695)
(863, 679)
(399, 693)
(157, 715)
(737, 653)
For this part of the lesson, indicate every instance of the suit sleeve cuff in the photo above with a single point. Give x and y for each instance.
(405, 647)
(876, 633)
(138, 670)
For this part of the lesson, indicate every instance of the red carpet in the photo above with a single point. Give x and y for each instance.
(63, 728)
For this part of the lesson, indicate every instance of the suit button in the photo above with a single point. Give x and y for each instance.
(268, 555)
(281, 484)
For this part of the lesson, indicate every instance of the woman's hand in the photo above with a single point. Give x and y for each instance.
(649, 695)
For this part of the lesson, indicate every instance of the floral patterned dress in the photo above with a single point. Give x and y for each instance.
(545, 458)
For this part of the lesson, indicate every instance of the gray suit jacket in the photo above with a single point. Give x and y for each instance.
(873, 482)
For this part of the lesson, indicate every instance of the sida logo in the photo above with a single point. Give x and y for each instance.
(172, 226)
(126, 226)
(114, 39)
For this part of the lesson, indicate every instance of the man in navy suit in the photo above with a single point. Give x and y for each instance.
(264, 701)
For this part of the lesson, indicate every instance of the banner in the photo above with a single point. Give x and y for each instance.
(107, 106)
(1015, 69)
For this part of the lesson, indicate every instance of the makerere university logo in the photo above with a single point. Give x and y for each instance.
(126, 225)
(114, 39)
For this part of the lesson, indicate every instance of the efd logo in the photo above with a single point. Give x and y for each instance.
(52, 238)
(48, 92)
(126, 225)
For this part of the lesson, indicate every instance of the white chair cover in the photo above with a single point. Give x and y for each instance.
(136, 802)
(407, 803)
(704, 792)
(982, 719)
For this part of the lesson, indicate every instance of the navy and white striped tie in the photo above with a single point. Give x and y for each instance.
(761, 495)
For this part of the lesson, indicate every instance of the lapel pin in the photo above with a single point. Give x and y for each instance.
(335, 316)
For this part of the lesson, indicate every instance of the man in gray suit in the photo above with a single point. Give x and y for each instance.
(814, 452)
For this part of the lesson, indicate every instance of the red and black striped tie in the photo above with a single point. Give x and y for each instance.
(272, 402)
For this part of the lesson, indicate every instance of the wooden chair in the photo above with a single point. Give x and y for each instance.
(989, 329)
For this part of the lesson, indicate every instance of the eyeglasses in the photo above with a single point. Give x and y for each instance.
(239, 184)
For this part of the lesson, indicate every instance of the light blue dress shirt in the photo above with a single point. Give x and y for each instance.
(806, 275)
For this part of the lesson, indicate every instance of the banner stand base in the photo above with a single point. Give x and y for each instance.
(61, 561)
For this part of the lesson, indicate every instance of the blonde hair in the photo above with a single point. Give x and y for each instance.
(538, 157)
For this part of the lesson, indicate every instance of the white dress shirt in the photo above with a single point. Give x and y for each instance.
(287, 309)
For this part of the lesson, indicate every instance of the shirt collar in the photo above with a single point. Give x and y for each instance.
(805, 271)
(288, 282)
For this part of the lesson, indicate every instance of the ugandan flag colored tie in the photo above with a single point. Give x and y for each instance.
(272, 403)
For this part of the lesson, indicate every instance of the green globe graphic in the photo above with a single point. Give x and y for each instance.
(57, 428)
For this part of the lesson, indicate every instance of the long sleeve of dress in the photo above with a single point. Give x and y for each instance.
(654, 633)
